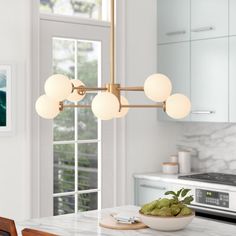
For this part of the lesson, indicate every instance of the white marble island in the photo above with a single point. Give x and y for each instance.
(87, 224)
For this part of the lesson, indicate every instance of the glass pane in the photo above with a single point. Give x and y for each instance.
(63, 205)
(87, 201)
(63, 125)
(64, 162)
(64, 57)
(88, 57)
(93, 9)
(87, 166)
(87, 122)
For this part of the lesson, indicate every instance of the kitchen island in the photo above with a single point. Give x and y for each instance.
(87, 224)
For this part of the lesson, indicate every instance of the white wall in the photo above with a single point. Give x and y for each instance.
(148, 141)
(15, 158)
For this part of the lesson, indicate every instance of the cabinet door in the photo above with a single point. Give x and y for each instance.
(174, 61)
(148, 190)
(232, 17)
(232, 79)
(173, 19)
(209, 18)
(209, 80)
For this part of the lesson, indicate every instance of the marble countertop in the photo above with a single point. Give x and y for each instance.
(174, 179)
(87, 224)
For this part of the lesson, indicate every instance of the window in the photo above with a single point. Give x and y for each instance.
(77, 131)
(92, 9)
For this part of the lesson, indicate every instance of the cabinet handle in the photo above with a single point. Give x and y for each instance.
(153, 187)
(202, 29)
(203, 112)
(173, 33)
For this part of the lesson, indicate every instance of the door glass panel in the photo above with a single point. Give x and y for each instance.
(87, 166)
(63, 125)
(64, 57)
(64, 168)
(87, 122)
(64, 205)
(89, 57)
(87, 201)
(91, 9)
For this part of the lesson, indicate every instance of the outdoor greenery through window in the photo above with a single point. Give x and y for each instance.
(77, 131)
(91, 9)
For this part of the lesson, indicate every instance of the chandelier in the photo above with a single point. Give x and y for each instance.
(109, 103)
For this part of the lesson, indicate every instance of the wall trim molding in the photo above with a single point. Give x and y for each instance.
(35, 121)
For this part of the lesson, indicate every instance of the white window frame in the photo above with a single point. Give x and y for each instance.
(76, 142)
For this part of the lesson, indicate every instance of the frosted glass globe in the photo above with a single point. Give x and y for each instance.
(105, 106)
(75, 97)
(46, 107)
(58, 87)
(157, 87)
(123, 111)
(178, 106)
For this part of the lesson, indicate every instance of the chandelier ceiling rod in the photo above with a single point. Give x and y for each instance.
(112, 43)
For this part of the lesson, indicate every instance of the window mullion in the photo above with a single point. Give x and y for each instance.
(76, 133)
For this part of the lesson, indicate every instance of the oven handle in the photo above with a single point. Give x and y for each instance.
(212, 209)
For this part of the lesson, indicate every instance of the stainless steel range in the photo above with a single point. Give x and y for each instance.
(215, 194)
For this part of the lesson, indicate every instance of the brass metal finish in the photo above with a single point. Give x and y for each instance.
(114, 89)
(61, 106)
(112, 46)
(144, 106)
(137, 88)
(159, 105)
(76, 105)
(88, 89)
(81, 90)
(164, 106)
(96, 89)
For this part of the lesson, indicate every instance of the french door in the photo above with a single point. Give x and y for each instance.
(76, 155)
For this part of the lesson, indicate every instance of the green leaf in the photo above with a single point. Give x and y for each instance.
(170, 193)
(188, 200)
(178, 193)
(184, 192)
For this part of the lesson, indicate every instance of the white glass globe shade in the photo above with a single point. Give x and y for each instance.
(124, 110)
(105, 106)
(75, 97)
(178, 106)
(157, 87)
(46, 107)
(58, 87)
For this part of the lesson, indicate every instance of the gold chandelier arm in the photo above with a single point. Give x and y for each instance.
(144, 106)
(137, 88)
(159, 105)
(74, 105)
(90, 88)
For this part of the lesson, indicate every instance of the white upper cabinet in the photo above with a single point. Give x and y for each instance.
(174, 61)
(209, 18)
(232, 79)
(232, 17)
(173, 18)
(209, 80)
